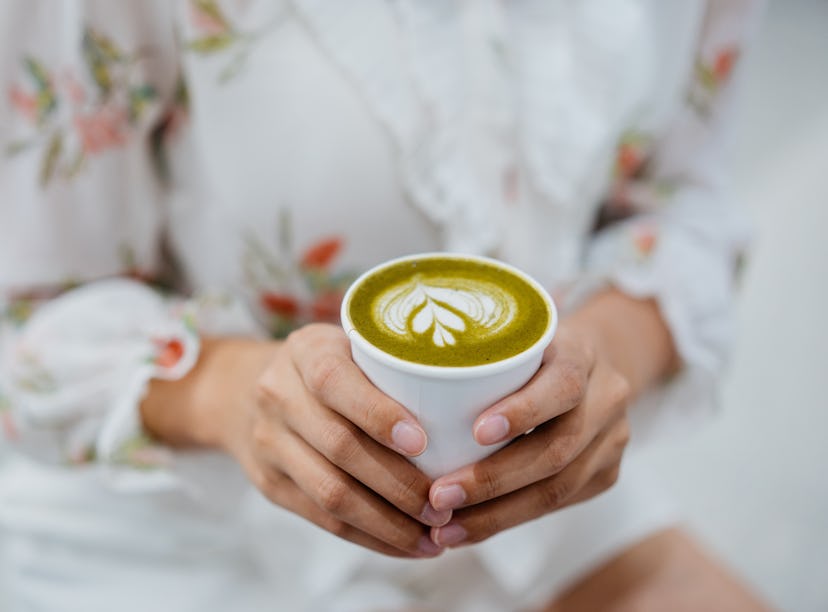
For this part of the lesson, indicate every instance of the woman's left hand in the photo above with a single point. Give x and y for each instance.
(574, 409)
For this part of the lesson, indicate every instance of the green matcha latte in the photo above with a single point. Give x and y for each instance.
(448, 311)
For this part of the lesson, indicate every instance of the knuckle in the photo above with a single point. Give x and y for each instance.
(490, 480)
(554, 493)
(324, 373)
(559, 454)
(261, 437)
(332, 494)
(620, 391)
(267, 392)
(412, 490)
(573, 381)
(298, 338)
(374, 413)
(532, 413)
(339, 443)
(406, 538)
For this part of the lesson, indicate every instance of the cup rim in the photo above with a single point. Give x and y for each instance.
(437, 371)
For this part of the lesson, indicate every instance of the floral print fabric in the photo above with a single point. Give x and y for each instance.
(71, 116)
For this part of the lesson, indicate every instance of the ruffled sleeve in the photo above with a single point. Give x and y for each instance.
(670, 230)
(73, 375)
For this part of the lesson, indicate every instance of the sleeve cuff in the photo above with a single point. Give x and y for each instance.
(75, 375)
(691, 279)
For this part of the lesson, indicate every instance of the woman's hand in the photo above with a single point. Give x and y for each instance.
(573, 415)
(314, 436)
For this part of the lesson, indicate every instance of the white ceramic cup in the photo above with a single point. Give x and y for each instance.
(446, 400)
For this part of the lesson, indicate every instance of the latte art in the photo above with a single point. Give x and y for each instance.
(444, 310)
(448, 310)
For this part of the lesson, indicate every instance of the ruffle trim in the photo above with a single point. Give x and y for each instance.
(569, 76)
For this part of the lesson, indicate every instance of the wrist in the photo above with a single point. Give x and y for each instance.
(630, 334)
(208, 407)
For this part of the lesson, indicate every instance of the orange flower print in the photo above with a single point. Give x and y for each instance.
(295, 289)
(631, 154)
(645, 238)
(280, 304)
(321, 254)
(712, 73)
(168, 352)
(102, 129)
(23, 102)
(724, 62)
(207, 18)
(628, 160)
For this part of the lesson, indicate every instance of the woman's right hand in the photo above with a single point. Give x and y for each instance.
(311, 432)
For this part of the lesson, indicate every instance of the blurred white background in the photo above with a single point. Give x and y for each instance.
(754, 483)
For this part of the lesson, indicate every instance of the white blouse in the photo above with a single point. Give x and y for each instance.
(173, 169)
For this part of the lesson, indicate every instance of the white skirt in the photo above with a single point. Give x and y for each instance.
(70, 544)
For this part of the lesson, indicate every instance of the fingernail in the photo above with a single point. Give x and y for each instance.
(449, 535)
(427, 547)
(434, 518)
(448, 497)
(492, 429)
(408, 438)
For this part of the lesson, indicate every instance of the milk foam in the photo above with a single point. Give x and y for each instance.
(444, 310)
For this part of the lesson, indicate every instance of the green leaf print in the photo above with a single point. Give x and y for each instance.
(76, 165)
(46, 99)
(706, 77)
(211, 44)
(104, 47)
(96, 60)
(51, 158)
(37, 72)
(139, 98)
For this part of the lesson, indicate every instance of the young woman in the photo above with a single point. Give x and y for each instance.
(213, 446)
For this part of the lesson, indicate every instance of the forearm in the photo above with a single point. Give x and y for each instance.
(202, 409)
(633, 335)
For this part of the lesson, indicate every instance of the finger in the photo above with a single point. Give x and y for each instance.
(341, 496)
(477, 523)
(541, 454)
(283, 492)
(322, 356)
(556, 388)
(382, 470)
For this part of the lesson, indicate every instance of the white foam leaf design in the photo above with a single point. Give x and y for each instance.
(443, 313)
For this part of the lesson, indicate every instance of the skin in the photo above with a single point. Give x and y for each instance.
(666, 571)
(314, 436)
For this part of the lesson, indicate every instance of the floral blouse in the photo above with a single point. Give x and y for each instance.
(174, 169)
